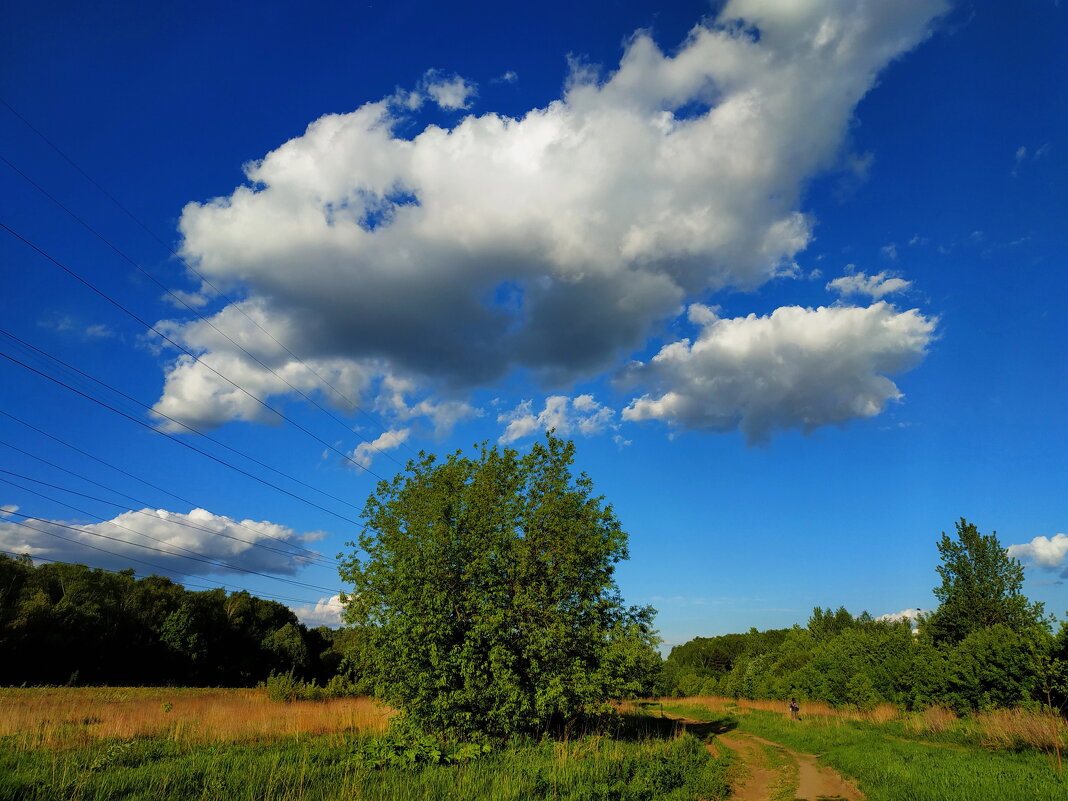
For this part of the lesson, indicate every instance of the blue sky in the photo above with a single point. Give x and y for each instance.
(790, 274)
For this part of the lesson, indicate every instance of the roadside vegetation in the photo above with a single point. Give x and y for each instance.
(896, 756)
(986, 647)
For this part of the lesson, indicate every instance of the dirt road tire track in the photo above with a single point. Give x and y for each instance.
(815, 782)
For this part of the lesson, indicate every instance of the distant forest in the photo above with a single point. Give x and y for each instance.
(861, 662)
(70, 624)
(985, 646)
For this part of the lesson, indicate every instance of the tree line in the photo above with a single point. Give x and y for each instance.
(485, 605)
(71, 624)
(985, 646)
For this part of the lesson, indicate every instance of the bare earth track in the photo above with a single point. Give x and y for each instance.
(762, 781)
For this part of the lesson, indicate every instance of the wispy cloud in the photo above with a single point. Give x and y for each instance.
(580, 415)
(875, 286)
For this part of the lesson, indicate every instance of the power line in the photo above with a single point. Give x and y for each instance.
(193, 554)
(181, 442)
(72, 473)
(189, 307)
(319, 559)
(201, 558)
(281, 415)
(204, 280)
(126, 473)
(182, 584)
(177, 422)
(190, 504)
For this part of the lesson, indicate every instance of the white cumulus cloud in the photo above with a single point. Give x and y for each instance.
(580, 415)
(325, 612)
(230, 545)
(913, 613)
(555, 242)
(796, 368)
(1046, 552)
(450, 92)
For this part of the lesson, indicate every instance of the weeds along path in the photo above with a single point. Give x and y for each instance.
(769, 771)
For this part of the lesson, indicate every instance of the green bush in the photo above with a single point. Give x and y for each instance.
(287, 687)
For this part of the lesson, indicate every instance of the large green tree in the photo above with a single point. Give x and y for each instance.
(485, 595)
(981, 586)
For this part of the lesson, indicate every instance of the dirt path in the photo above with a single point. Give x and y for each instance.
(772, 771)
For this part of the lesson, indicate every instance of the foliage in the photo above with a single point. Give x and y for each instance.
(982, 586)
(288, 687)
(986, 646)
(68, 624)
(406, 746)
(992, 667)
(485, 595)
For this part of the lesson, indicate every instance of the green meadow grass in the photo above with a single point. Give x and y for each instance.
(310, 768)
(891, 765)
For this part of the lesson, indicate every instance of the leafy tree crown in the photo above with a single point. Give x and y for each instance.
(485, 594)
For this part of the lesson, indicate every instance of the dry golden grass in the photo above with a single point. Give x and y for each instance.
(1014, 727)
(815, 711)
(59, 717)
(932, 720)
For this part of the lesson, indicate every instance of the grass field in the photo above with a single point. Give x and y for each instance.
(63, 717)
(151, 744)
(148, 744)
(896, 757)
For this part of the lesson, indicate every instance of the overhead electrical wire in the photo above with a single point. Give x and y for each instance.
(191, 504)
(91, 547)
(128, 474)
(281, 415)
(177, 298)
(189, 553)
(269, 596)
(206, 560)
(319, 560)
(177, 422)
(181, 442)
(204, 280)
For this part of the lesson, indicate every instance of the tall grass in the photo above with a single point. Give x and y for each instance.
(65, 717)
(882, 713)
(311, 768)
(97, 744)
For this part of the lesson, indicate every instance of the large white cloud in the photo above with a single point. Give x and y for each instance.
(1050, 553)
(555, 242)
(796, 368)
(249, 544)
